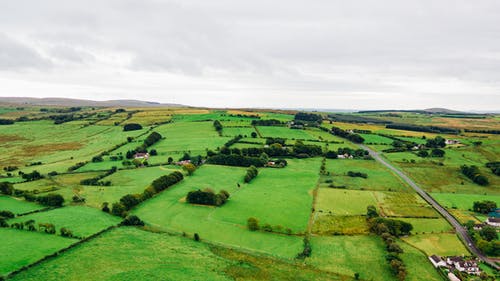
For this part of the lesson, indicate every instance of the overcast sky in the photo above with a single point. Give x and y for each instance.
(308, 54)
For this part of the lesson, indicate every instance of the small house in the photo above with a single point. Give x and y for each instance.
(493, 221)
(451, 142)
(437, 261)
(141, 156)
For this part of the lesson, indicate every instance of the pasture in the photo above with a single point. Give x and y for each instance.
(284, 132)
(442, 244)
(275, 196)
(21, 247)
(81, 220)
(462, 201)
(18, 206)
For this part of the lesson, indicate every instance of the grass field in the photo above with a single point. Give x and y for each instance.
(379, 177)
(347, 255)
(284, 132)
(376, 139)
(344, 202)
(418, 265)
(234, 131)
(82, 221)
(462, 201)
(20, 247)
(441, 244)
(428, 225)
(274, 197)
(134, 254)
(327, 224)
(17, 206)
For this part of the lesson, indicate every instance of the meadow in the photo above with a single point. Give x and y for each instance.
(442, 244)
(18, 206)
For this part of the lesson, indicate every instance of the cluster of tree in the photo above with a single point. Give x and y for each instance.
(233, 141)
(252, 172)
(6, 122)
(437, 142)
(34, 175)
(350, 118)
(357, 174)
(63, 118)
(484, 206)
(272, 150)
(355, 153)
(207, 197)
(267, 122)
(302, 150)
(153, 138)
(494, 132)
(6, 188)
(10, 168)
(218, 126)
(345, 134)
(48, 228)
(132, 220)
(427, 129)
(36, 163)
(97, 158)
(236, 160)
(76, 166)
(307, 249)
(388, 230)
(129, 201)
(7, 214)
(132, 127)
(253, 225)
(473, 173)
(189, 168)
(309, 117)
(51, 199)
(96, 181)
(280, 141)
(61, 110)
(485, 239)
(495, 167)
(330, 154)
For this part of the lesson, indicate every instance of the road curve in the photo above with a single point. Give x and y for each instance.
(458, 227)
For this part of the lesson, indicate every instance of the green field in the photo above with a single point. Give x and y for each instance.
(274, 197)
(350, 254)
(429, 225)
(17, 206)
(284, 132)
(379, 177)
(441, 244)
(20, 247)
(82, 221)
(344, 202)
(462, 201)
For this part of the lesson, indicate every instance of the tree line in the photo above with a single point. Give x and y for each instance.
(473, 173)
(207, 197)
(347, 135)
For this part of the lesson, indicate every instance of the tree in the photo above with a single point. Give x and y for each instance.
(331, 154)
(52, 200)
(129, 201)
(196, 237)
(253, 224)
(189, 168)
(118, 209)
(66, 232)
(105, 207)
(132, 220)
(484, 206)
(371, 212)
(170, 160)
(423, 153)
(488, 233)
(436, 152)
(6, 188)
(132, 127)
(356, 276)
(253, 134)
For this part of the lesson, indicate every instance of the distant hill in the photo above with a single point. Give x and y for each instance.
(422, 111)
(81, 102)
(444, 111)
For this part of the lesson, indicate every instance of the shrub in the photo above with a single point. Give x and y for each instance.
(132, 127)
(253, 224)
(132, 220)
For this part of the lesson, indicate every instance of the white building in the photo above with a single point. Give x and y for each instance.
(437, 261)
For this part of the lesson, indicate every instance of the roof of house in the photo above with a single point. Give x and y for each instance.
(456, 259)
(141, 155)
(436, 259)
(494, 220)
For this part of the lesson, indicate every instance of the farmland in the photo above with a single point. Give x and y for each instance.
(310, 207)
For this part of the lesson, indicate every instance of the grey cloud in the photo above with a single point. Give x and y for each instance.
(15, 55)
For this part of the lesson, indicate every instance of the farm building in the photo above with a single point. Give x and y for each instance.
(451, 142)
(493, 222)
(141, 156)
(437, 261)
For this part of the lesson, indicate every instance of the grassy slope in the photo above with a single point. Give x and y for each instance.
(17, 206)
(20, 247)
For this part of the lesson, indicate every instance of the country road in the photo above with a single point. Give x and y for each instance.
(458, 227)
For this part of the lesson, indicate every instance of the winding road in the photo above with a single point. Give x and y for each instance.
(462, 232)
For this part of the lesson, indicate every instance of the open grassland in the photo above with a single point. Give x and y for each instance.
(134, 254)
(193, 137)
(462, 201)
(20, 247)
(363, 254)
(376, 139)
(81, 220)
(379, 177)
(344, 202)
(151, 117)
(17, 206)
(354, 202)
(428, 225)
(418, 265)
(26, 142)
(441, 244)
(284, 132)
(234, 131)
(275, 196)
(327, 224)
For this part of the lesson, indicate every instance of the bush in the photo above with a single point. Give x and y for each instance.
(52, 200)
(132, 127)
(118, 209)
(66, 232)
(207, 197)
(132, 220)
(6, 214)
(6, 188)
(253, 224)
(357, 174)
(252, 172)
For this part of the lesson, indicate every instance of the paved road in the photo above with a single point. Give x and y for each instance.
(458, 227)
